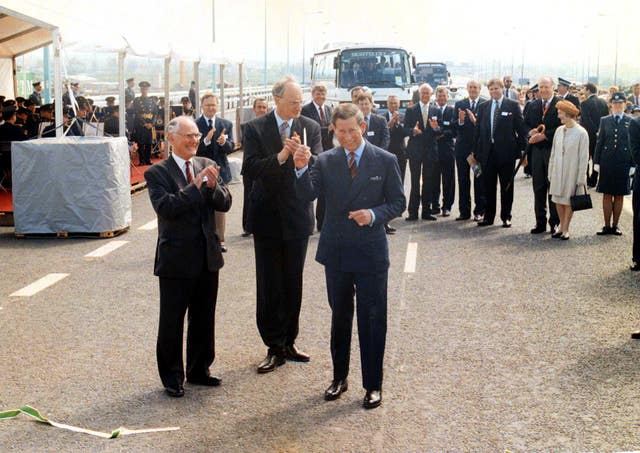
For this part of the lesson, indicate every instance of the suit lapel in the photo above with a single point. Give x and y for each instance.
(176, 173)
(360, 180)
(272, 135)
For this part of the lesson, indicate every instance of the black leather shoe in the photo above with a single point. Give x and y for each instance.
(506, 223)
(223, 248)
(478, 218)
(557, 235)
(175, 392)
(411, 218)
(246, 234)
(271, 362)
(635, 267)
(635, 335)
(484, 223)
(293, 353)
(462, 217)
(209, 381)
(389, 229)
(604, 231)
(435, 211)
(428, 217)
(538, 229)
(336, 389)
(616, 231)
(372, 399)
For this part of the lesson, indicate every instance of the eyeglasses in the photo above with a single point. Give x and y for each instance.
(191, 136)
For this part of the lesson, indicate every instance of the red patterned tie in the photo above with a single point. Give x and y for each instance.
(189, 174)
(353, 167)
(323, 119)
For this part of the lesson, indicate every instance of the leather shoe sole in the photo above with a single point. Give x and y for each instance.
(335, 390)
(429, 218)
(635, 267)
(538, 230)
(484, 223)
(270, 363)
(175, 392)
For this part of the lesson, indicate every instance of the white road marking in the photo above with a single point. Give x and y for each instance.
(106, 249)
(410, 260)
(39, 285)
(628, 206)
(149, 225)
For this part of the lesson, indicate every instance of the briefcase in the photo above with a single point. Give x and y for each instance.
(581, 202)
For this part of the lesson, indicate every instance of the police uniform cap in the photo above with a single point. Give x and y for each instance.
(535, 88)
(130, 79)
(144, 84)
(618, 97)
(20, 99)
(184, 98)
(35, 84)
(9, 109)
(46, 108)
(23, 111)
(564, 82)
(8, 103)
(75, 84)
(636, 108)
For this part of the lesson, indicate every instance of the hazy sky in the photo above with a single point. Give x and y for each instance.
(548, 31)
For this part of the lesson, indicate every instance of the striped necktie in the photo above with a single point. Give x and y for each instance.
(353, 166)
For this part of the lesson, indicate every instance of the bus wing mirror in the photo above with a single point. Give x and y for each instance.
(335, 63)
(413, 78)
(413, 60)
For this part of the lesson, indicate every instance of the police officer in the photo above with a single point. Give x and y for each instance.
(36, 96)
(612, 160)
(128, 91)
(145, 112)
(110, 108)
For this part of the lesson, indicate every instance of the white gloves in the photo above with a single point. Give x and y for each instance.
(596, 167)
(632, 171)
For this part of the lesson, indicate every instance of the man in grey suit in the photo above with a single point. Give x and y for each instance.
(363, 189)
(185, 192)
(509, 91)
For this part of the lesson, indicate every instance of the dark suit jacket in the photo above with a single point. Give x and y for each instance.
(11, 133)
(634, 146)
(186, 221)
(446, 134)
(376, 186)
(591, 110)
(275, 211)
(573, 99)
(613, 142)
(464, 133)
(309, 110)
(551, 121)
(214, 151)
(510, 133)
(422, 146)
(378, 132)
(397, 134)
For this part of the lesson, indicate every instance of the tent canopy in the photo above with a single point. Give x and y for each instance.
(20, 34)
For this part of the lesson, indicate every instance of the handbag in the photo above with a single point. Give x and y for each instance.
(581, 202)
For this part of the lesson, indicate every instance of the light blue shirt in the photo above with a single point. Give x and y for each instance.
(494, 104)
(280, 121)
(358, 154)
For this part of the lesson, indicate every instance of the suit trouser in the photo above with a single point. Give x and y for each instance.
(320, 207)
(493, 172)
(423, 173)
(592, 178)
(447, 172)
(198, 296)
(246, 188)
(279, 266)
(144, 154)
(540, 173)
(464, 190)
(371, 290)
(635, 201)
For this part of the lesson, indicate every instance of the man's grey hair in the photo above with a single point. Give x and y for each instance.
(547, 79)
(425, 85)
(174, 124)
(442, 89)
(280, 86)
(473, 81)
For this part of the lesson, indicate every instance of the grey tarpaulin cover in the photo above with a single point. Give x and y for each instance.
(71, 184)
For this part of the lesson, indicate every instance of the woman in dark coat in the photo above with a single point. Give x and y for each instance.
(613, 160)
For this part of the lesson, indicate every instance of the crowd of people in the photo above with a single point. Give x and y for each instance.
(353, 162)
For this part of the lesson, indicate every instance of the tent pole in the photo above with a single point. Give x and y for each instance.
(14, 71)
(57, 80)
(240, 105)
(222, 109)
(196, 78)
(167, 103)
(121, 96)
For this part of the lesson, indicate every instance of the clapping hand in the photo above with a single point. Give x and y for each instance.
(433, 122)
(537, 138)
(462, 115)
(472, 116)
(209, 136)
(416, 129)
(222, 139)
(301, 157)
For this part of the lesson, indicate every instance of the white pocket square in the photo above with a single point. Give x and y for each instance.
(375, 178)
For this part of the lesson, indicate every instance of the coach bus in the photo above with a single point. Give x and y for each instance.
(435, 74)
(384, 70)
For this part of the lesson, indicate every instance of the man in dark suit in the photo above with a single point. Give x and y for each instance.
(564, 94)
(464, 126)
(592, 109)
(185, 191)
(634, 146)
(397, 143)
(500, 135)
(362, 185)
(446, 176)
(280, 223)
(260, 108)
(9, 130)
(543, 111)
(421, 124)
(634, 98)
(377, 132)
(216, 143)
(352, 77)
(319, 112)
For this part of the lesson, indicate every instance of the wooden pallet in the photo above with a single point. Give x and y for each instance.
(6, 218)
(66, 234)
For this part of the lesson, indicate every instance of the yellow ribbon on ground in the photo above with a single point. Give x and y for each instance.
(122, 431)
